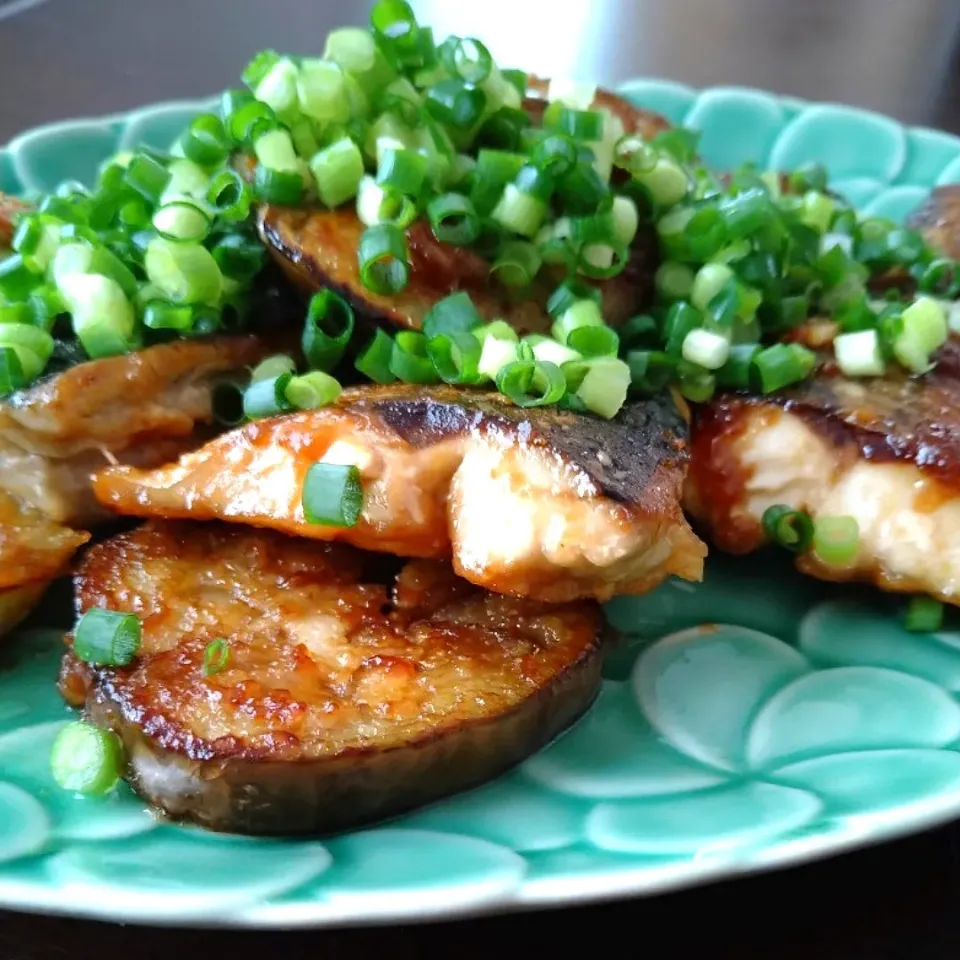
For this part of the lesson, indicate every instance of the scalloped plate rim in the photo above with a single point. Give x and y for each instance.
(576, 889)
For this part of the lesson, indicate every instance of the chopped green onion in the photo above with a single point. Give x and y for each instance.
(272, 367)
(555, 155)
(267, 397)
(383, 259)
(453, 219)
(229, 196)
(16, 279)
(32, 346)
(85, 759)
(548, 349)
(401, 170)
(185, 272)
(681, 318)
(322, 91)
(706, 349)
(332, 495)
(238, 256)
(453, 314)
(497, 353)
(468, 59)
(783, 364)
(284, 187)
(163, 315)
(409, 360)
(329, 326)
(584, 125)
(259, 67)
(227, 403)
(312, 390)
(455, 103)
(791, 529)
(148, 177)
(215, 657)
(642, 329)
(338, 170)
(736, 372)
(374, 360)
(590, 341)
(673, 281)
(205, 141)
(351, 48)
(520, 212)
(181, 220)
(456, 357)
(531, 383)
(277, 87)
(711, 278)
(580, 313)
(924, 331)
(103, 317)
(634, 154)
(836, 540)
(924, 615)
(12, 377)
(666, 182)
(859, 355)
(517, 264)
(107, 637)
(568, 293)
(603, 388)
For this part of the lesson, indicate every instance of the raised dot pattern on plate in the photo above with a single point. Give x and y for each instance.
(747, 722)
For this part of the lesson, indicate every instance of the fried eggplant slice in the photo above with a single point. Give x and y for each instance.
(146, 408)
(34, 551)
(885, 451)
(939, 220)
(538, 503)
(339, 704)
(318, 248)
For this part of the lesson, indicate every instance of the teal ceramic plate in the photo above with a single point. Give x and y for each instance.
(751, 722)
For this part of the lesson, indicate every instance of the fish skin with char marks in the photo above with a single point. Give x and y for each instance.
(883, 450)
(536, 502)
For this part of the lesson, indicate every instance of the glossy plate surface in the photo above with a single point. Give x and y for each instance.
(751, 722)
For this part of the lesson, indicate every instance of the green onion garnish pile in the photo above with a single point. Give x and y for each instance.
(404, 129)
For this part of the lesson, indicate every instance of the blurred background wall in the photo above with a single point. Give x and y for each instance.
(67, 57)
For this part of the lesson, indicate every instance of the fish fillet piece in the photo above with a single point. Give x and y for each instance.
(145, 408)
(318, 248)
(539, 502)
(34, 551)
(342, 700)
(885, 451)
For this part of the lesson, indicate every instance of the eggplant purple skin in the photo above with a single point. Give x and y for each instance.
(320, 798)
(311, 729)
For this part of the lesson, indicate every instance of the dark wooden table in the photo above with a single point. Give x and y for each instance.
(62, 58)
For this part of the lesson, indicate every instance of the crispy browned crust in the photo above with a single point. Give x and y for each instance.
(318, 248)
(425, 692)
(939, 220)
